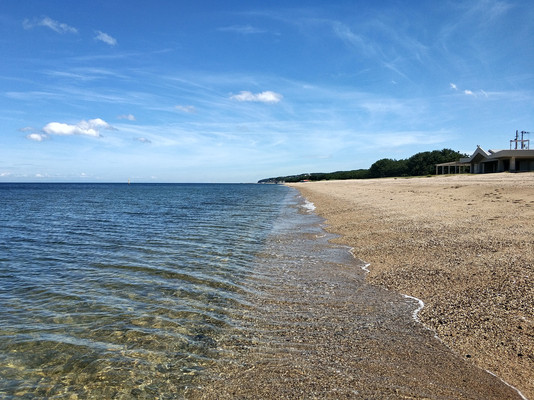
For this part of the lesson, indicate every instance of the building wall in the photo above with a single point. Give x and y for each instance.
(524, 165)
(503, 165)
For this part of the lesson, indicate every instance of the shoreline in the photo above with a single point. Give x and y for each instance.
(314, 328)
(461, 245)
(415, 313)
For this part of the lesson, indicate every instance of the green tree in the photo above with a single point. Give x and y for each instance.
(387, 167)
(425, 163)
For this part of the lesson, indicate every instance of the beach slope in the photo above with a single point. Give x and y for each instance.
(464, 244)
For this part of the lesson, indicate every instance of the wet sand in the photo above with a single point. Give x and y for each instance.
(463, 244)
(316, 329)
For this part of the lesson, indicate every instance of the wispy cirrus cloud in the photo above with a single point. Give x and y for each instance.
(485, 10)
(48, 22)
(129, 117)
(84, 73)
(408, 138)
(377, 41)
(352, 39)
(186, 109)
(262, 97)
(242, 29)
(469, 92)
(104, 37)
(478, 93)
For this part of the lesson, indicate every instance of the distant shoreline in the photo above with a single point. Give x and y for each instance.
(463, 244)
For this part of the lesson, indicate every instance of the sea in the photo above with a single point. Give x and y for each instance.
(133, 291)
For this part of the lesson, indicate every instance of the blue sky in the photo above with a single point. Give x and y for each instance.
(236, 91)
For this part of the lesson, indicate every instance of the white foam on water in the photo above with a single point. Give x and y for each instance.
(308, 205)
(364, 266)
(418, 309)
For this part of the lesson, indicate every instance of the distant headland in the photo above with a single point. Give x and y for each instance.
(419, 164)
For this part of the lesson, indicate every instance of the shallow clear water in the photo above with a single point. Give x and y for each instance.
(114, 291)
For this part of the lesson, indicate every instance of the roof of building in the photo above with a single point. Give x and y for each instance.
(480, 155)
(453, 164)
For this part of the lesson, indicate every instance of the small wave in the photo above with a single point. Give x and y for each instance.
(364, 265)
(418, 309)
(308, 205)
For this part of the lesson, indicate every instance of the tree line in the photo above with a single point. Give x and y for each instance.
(419, 164)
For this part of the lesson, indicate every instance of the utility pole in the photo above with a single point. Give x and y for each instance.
(525, 143)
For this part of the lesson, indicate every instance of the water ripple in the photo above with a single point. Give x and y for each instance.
(123, 291)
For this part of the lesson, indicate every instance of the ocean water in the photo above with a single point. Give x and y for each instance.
(125, 291)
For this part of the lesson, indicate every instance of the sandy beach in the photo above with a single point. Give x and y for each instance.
(317, 326)
(464, 244)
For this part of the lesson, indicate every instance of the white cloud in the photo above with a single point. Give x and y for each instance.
(468, 92)
(263, 97)
(87, 128)
(104, 37)
(242, 29)
(47, 22)
(186, 109)
(129, 117)
(38, 137)
(143, 140)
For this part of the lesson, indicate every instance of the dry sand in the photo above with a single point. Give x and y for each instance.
(464, 244)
